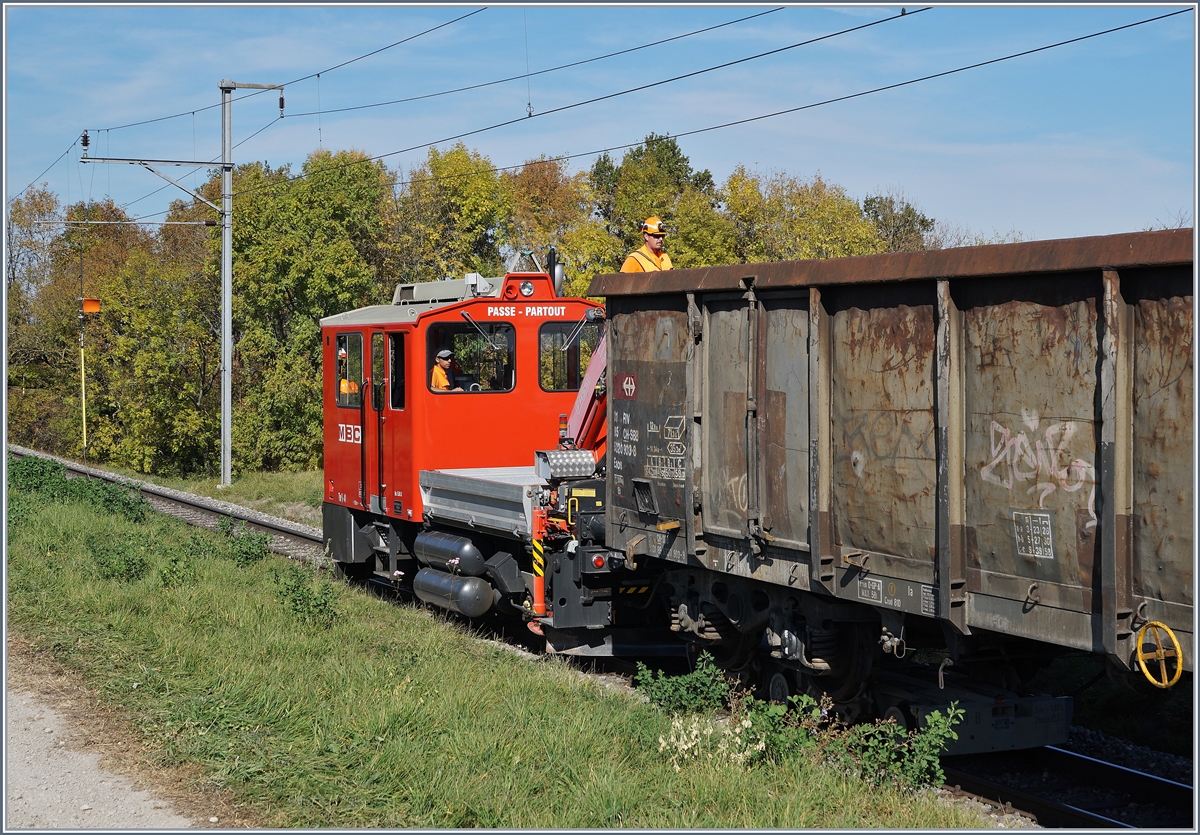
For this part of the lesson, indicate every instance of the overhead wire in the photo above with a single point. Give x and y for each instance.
(258, 92)
(733, 123)
(302, 78)
(775, 113)
(215, 160)
(607, 96)
(529, 75)
(33, 182)
(318, 112)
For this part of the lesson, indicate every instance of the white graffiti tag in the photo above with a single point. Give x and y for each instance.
(1046, 462)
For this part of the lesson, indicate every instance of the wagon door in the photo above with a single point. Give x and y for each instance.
(756, 422)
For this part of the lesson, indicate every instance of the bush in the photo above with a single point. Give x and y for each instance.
(879, 753)
(783, 730)
(245, 546)
(179, 570)
(48, 480)
(311, 601)
(20, 507)
(117, 560)
(882, 753)
(110, 497)
(704, 688)
(36, 475)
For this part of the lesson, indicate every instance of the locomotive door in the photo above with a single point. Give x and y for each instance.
(395, 447)
(373, 417)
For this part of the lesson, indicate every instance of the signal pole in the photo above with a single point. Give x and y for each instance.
(226, 212)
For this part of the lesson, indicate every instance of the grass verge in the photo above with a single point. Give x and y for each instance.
(295, 496)
(318, 705)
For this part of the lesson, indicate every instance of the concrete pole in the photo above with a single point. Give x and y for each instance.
(227, 88)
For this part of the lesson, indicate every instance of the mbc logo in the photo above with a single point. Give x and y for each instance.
(349, 433)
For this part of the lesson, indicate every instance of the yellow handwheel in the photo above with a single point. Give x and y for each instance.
(1159, 654)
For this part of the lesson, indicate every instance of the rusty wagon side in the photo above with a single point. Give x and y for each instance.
(997, 440)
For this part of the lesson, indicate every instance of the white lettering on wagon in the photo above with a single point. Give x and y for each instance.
(349, 433)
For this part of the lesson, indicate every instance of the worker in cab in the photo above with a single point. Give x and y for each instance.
(346, 386)
(439, 379)
(650, 257)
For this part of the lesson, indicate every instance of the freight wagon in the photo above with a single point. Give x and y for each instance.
(818, 471)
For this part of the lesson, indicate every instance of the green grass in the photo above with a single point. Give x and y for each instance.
(388, 717)
(295, 496)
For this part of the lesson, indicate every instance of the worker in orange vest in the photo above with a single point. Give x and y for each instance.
(650, 257)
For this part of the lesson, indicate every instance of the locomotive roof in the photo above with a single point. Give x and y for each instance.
(411, 300)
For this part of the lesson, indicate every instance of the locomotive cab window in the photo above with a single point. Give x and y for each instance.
(349, 369)
(481, 358)
(564, 350)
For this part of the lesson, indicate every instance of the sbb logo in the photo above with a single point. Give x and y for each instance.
(349, 433)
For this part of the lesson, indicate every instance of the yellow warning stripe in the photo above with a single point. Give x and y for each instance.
(539, 559)
(633, 590)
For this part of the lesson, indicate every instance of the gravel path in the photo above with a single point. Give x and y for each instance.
(71, 763)
(50, 784)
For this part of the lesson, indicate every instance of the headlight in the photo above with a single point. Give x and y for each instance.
(526, 288)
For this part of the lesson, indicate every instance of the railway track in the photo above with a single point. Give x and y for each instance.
(1060, 788)
(289, 538)
(1057, 788)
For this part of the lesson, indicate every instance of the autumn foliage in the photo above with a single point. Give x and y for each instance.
(338, 234)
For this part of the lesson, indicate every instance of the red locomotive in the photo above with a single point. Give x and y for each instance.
(456, 374)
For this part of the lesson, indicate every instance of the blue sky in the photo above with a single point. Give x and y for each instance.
(1095, 137)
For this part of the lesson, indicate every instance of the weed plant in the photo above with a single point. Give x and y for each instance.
(877, 753)
(123, 561)
(178, 569)
(245, 546)
(382, 716)
(705, 688)
(36, 480)
(311, 600)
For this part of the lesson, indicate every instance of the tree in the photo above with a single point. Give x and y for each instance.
(704, 235)
(900, 226)
(649, 182)
(155, 393)
(73, 260)
(450, 217)
(785, 218)
(303, 249)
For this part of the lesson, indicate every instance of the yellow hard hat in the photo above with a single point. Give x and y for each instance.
(653, 226)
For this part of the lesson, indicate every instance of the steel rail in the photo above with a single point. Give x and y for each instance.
(1049, 812)
(260, 521)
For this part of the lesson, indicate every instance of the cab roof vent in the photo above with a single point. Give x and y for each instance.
(447, 290)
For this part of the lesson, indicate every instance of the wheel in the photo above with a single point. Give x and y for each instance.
(779, 687)
(900, 715)
(734, 652)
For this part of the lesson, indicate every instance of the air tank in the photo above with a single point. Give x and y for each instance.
(449, 553)
(469, 596)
